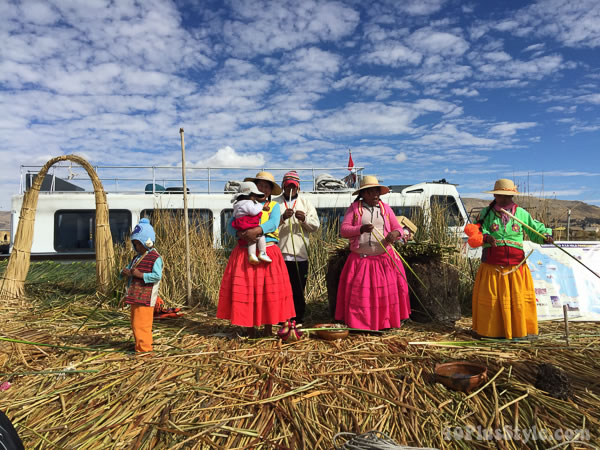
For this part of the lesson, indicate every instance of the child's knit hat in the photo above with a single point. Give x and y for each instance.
(144, 233)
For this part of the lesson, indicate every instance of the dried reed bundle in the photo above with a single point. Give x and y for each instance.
(200, 390)
(12, 284)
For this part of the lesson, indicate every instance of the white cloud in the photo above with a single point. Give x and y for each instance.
(379, 87)
(448, 135)
(507, 25)
(358, 119)
(428, 41)
(533, 69)
(442, 74)
(575, 24)
(309, 70)
(534, 47)
(401, 157)
(562, 109)
(420, 7)
(228, 157)
(37, 12)
(431, 105)
(263, 27)
(313, 60)
(466, 92)
(590, 98)
(584, 128)
(393, 54)
(498, 57)
(509, 129)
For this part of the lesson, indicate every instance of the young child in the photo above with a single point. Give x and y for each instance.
(247, 210)
(145, 273)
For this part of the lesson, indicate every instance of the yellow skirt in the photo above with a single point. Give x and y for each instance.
(504, 303)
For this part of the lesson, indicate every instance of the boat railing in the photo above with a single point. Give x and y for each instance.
(168, 179)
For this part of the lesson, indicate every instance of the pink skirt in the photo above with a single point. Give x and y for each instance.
(255, 295)
(372, 292)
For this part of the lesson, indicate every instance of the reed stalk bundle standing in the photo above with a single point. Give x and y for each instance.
(12, 283)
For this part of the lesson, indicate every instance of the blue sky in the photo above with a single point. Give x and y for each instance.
(419, 90)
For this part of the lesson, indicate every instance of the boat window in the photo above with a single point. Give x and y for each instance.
(227, 241)
(197, 217)
(412, 213)
(74, 230)
(447, 204)
(331, 217)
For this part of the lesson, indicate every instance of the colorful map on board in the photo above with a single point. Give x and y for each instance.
(559, 280)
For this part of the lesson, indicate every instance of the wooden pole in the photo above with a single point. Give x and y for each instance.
(566, 317)
(544, 237)
(186, 221)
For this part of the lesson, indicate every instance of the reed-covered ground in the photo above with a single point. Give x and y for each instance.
(74, 382)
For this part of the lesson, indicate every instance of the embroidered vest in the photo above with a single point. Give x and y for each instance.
(265, 216)
(141, 293)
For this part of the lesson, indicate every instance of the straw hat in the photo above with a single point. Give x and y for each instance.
(266, 176)
(369, 181)
(504, 186)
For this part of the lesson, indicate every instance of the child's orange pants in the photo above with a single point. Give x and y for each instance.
(141, 324)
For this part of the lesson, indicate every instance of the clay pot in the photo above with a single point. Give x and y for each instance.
(462, 376)
(330, 335)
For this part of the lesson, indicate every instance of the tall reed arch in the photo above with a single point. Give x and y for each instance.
(12, 283)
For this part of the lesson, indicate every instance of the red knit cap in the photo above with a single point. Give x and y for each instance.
(291, 177)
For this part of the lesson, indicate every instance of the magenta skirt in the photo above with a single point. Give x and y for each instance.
(372, 292)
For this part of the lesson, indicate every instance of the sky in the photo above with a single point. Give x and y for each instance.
(419, 90)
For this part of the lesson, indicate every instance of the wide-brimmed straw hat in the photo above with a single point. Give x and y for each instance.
(504, 186)
(369, 181)
(266, 176)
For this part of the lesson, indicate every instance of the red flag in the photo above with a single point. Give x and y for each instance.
(351, 178)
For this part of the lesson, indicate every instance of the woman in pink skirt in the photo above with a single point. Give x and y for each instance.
(372, 292)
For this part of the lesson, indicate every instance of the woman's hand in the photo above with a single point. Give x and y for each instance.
(137, 273)
(300, 216)
(392, 237)
(549, 239)
(126, 272)
(367, 228)
(289, 212)
(489, 239)
(251, 235)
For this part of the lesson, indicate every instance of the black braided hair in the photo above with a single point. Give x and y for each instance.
(490, 208)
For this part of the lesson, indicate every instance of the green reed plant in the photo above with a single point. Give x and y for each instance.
(434, 239)
(320, 245)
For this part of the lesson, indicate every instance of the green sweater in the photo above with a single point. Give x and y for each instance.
(512, 234)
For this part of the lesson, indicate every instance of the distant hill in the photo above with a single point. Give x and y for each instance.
(4, 220)
(553, 213)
